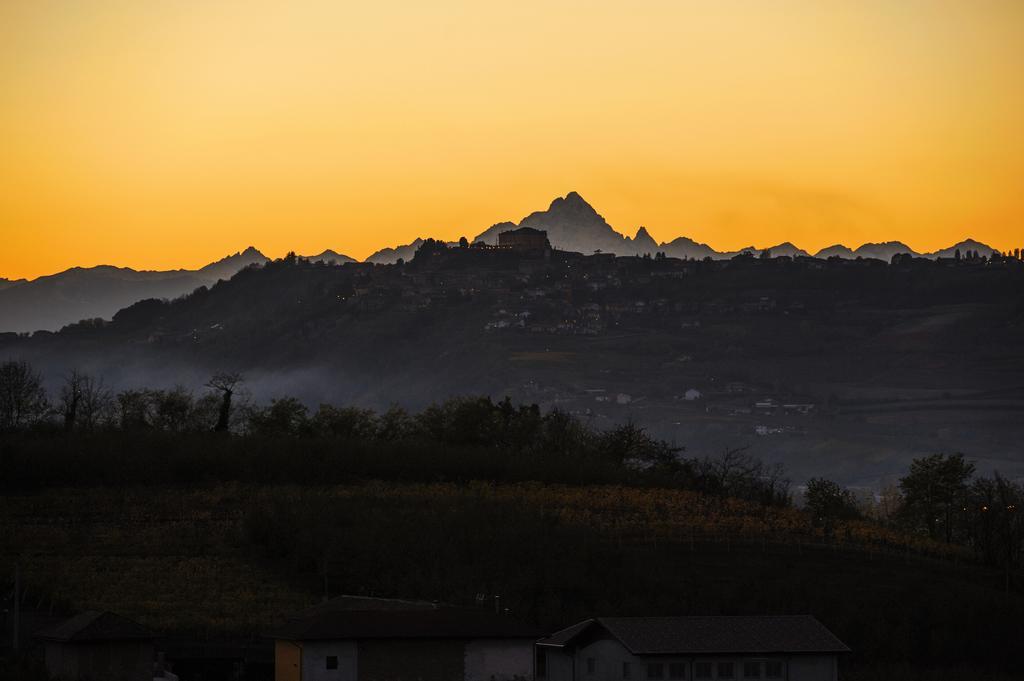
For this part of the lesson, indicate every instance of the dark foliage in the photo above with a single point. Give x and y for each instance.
(547, 568)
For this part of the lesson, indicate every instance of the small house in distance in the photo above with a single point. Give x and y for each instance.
(367, 639)
(98, 645)
(794, 648)
(524, 239)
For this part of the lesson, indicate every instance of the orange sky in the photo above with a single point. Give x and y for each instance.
(167, 133)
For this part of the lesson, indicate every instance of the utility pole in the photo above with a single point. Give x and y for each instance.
(17, 608)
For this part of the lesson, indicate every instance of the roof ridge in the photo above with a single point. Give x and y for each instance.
(661, 634)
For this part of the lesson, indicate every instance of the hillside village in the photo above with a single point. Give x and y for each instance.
(680, 345)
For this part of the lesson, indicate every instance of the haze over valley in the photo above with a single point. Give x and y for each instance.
(542, 340)
(849, 365)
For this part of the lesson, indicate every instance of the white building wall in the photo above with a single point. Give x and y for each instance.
(314, 661)
(813, 668)
(559, 664)
(499, 660)
(609, 655)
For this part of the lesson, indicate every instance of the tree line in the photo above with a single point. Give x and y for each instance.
(214, 434)
(176, 435)
(940, 497)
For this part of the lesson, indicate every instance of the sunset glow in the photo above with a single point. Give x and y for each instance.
(167, 134)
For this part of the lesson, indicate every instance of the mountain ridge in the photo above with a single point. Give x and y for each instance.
(52, 301)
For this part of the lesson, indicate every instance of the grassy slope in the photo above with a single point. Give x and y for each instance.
(231, 559)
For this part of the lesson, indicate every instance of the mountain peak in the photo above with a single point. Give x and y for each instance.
(571, 203)
(963, 246)
(644, 243)
(836, 250)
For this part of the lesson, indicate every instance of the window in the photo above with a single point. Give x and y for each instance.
(626, 670)
(751, 670)
(591, 666)
(655, 670)
(332, 661)
(542, 664)
(726, 670)
(677, 670)
(773, 670)
(702, 670)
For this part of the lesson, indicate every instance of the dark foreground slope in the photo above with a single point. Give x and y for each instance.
(221, 563)
(858, 364)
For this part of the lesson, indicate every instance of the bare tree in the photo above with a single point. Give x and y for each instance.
(135, 409)
(22, 397)
(84, 400)
(226, 384)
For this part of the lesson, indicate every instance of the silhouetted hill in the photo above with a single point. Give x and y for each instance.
(836, 251)
(686, 248)
(895, 361)
(330, 256)
(963, 247)
(389, 256)
(8, 283)
(572, 224)
(644, 243)
(786, 249)
(225, 268)
(883, 251)
(51, 302)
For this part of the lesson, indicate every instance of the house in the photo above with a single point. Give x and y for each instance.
(369, 639)
(524, 239)
(98, 645)
(795, 648)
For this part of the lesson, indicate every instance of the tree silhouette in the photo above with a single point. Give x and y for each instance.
(226, 383)
(22, 397)
(84, 401)
(827, 502)
(932, 489)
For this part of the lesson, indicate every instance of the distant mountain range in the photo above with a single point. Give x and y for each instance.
(388, 256)
(329, 256)
(572, 224)
(51, 302)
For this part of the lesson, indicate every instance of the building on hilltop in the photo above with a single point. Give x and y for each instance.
(524, 239)
(796, 648)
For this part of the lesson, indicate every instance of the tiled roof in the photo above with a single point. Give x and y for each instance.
(710, 635)
(345, 603)
(92, 625)
(568, 635)
(461, 623)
